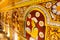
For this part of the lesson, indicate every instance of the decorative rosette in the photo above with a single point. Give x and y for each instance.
(37, 14)
(41, 34)
(56, 8)
(28, 23)
(41, 23)
(48, 5)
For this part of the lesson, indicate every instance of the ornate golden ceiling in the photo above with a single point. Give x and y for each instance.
(31, 19)
(9, 4)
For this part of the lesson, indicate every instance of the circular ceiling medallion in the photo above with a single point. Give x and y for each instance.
(41, 34)
(37, 14)
(28, 23)
(41, 23)
(48, 5)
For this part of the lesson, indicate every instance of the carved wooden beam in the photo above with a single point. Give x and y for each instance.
(21, 4)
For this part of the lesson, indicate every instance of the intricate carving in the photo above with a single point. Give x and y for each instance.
(52, 33)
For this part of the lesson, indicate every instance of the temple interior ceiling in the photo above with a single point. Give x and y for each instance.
(29, 19)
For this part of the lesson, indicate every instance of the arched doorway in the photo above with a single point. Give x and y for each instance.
(35, 24)
(38, 30)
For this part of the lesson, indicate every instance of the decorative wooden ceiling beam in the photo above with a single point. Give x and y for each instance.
(26, 3)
